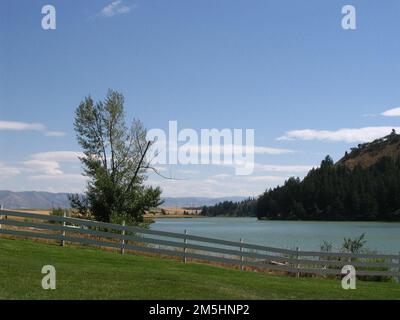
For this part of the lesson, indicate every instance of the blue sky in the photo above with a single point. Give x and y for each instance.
(279, 67)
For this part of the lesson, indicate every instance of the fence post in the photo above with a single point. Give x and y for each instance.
(63, 232)
(184, 246)
(1, 216)
(297, 265)
(241, 254)
(123, 239)
(398, 269)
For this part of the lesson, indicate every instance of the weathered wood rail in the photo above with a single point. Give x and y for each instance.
(185, 246)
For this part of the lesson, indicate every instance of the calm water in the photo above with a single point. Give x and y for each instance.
(380, 236)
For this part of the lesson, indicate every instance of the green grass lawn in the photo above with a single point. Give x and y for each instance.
(94, 274)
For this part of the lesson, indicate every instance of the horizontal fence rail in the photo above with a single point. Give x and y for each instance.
(65, 229)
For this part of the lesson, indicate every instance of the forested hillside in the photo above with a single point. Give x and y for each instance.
(245, 208)
(364, 185)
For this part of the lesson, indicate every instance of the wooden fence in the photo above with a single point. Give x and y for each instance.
(184, 246)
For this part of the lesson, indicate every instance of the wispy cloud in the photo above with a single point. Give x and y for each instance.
(345, 135)
(53, 171)
(221, 149)
(20, 126)
(42, 165)
(188, 171)
(45, 167)
(55, 134)
(275, 179)
(59, 156)
(7, 171)
(26, 126)
(218, 185)
(392, 112)
(221, 176)
(237, 149)
(115, 8)
(70, 178)
(282, 168)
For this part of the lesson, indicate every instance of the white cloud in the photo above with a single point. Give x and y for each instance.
(228, 149)
(70, 178)
(55, 134)
(19, 126)
(188, 171)
(221, 149)
(115, 8)
(392, 113)
(8, 172)
(347, 135)
(221, 176)
(41, 166)
(48, 163)
(289, 169)
(25, 126)
(45, 171)
(218, 185)
(45, 168)
(66, 182)
(282, 168)
(276, 179)
(207, 187)
(60, 156)
(272, 151)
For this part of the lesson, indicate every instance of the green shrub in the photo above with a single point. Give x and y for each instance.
(354, 245)
(57, 212)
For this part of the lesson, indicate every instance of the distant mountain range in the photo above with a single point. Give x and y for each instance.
(46, 200)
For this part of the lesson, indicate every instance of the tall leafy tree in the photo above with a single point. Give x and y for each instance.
(114, 160)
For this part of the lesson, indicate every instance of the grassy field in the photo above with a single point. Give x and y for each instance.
(84, 273)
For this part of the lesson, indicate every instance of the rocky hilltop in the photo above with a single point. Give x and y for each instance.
(367, 154)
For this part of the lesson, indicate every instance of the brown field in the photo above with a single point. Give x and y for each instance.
(164, 212)
(173, 212)
(37, 211)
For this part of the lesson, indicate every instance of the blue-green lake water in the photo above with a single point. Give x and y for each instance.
(307, 235)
